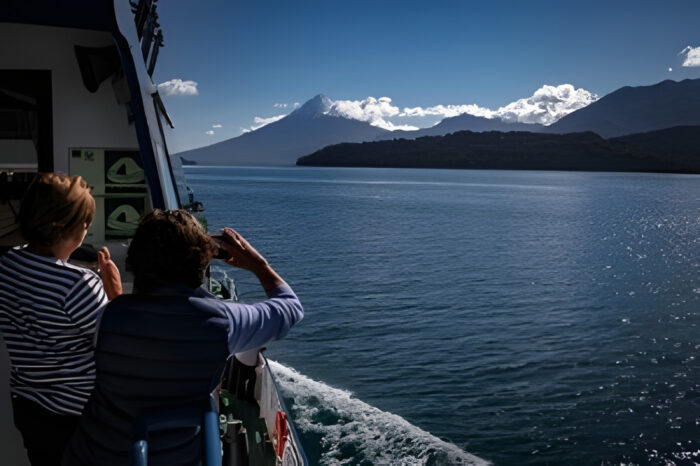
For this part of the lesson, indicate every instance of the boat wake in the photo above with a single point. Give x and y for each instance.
(350, 431)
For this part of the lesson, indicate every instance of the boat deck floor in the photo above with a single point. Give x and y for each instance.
(259, 446)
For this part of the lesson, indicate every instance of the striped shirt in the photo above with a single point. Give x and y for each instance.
(48, 314)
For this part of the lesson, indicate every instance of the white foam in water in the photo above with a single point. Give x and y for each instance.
(353, 432)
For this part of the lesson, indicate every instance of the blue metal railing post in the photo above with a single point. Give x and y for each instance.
(212, 442)
(206, 421)
(139, 453)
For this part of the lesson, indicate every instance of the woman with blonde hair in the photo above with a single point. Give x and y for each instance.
(48, 313)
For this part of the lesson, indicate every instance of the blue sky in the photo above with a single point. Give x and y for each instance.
(246, 56)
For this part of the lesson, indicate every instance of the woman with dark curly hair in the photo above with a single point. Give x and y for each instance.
(165, 346)
(48, 313)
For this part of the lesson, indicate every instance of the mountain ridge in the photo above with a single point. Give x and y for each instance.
(304, 130)
(463, 122)
(637, 109)
(627, 110)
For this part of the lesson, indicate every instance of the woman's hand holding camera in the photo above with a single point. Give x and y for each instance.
(237, 251)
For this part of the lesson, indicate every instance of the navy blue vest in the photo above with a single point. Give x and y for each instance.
(154, 352)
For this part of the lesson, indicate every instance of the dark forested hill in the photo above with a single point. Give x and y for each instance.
(671, 150)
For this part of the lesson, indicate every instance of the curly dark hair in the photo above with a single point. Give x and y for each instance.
(169, 247)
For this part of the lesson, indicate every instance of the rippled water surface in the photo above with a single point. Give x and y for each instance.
(524, 317)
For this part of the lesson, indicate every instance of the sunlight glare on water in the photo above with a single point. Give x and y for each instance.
(525, 317)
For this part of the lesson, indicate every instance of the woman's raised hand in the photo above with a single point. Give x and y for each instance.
(241, 253)
(111, 279)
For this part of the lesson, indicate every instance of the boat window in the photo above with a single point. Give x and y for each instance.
(175, 165)
(26, 142)
(186, 199)
(166, 178)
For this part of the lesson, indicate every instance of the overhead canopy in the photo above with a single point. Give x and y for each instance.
(80, 14)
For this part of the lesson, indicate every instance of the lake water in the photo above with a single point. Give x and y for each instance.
(523, 317)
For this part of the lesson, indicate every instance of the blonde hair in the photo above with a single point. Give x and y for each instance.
(53, 206)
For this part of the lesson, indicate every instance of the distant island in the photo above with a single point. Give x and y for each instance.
(672, 150)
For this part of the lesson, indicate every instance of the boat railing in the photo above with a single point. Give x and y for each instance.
(207, 421)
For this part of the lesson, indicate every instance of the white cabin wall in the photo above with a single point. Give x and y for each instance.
(80, 119)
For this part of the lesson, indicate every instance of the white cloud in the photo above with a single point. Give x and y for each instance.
(218, 125)
(297, 104)
(178, 87)
(210, 132)
(547, 105)
(259, 122)
(445, 111)
(393, 127)
(692, 56)
(373, 111)
(280, 105)
(670, 69)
